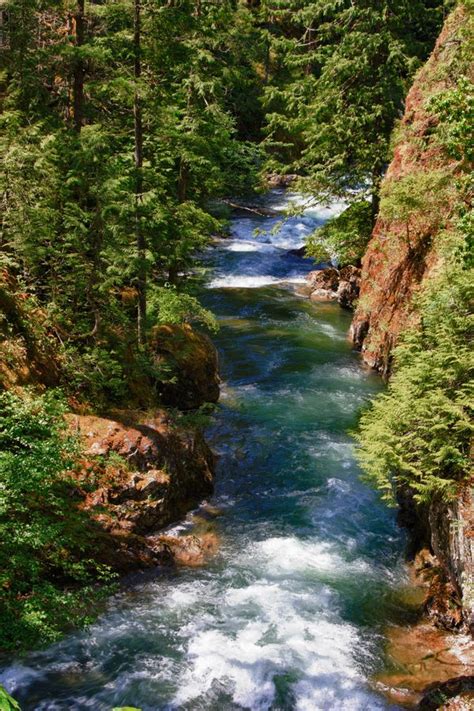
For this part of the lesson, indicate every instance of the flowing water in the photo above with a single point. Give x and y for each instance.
(290, 612)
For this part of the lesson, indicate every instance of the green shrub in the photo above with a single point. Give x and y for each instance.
(48, 578)
(419, 432)
(419, 202)
(344, 237)
(8, 703)
(168, 305)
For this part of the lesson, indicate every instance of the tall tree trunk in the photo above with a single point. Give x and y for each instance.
(377, 173)
(79, 69)
(138, 126)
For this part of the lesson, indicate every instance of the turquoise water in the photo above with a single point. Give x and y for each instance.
(289, 614)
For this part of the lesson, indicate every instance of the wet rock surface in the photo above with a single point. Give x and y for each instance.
(421, 658)
(332, 284)
(452, 695)
(452, 541)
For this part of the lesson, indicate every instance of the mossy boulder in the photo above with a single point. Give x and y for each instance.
(189, 362)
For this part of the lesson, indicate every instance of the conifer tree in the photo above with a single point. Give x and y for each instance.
(345, 68)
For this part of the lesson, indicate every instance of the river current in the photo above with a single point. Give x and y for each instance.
(289, 615)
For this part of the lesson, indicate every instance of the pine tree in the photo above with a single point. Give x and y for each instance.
(346, 68)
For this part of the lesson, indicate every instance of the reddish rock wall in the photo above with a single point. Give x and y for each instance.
(393, 272)
(137, 475)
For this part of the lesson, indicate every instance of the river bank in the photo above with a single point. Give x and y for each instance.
(283, 614)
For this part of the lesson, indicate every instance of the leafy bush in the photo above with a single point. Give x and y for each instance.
(418, 202)
(168, 305)
(48, 572)
(8, 703)
(344, 237)
(455, 111)
(419, 432)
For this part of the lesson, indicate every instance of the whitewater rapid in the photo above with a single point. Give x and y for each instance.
(289, 615)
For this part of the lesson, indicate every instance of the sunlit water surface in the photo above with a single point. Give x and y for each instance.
(289, 614)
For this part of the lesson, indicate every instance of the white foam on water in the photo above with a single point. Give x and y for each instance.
(307, 203)
(345, 697)
(331, 331)
(272, 611)
(290, 629)
(254, 256)
(17, 675)
(283, 556)
(241, 282)
(243, 245)
(251, 282)
(278, 623)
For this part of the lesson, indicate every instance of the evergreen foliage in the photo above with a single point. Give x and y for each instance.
(342, 71)
(344, 237)
(120, 123)
(8, 703)
(419, 433)
(92, 234)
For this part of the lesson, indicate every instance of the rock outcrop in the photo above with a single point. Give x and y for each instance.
(189, 364)
(400, 260)
(452, 541)
(137, 473)
(394, 268)
(453, 695)
(332, 284)
(137, 476)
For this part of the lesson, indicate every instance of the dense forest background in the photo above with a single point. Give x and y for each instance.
(122, 120)
(126, 125)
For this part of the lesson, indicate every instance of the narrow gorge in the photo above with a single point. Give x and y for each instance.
(283, 614)
(236, 291)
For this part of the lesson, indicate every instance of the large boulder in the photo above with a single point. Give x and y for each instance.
(189, 363)
(137, 476)
(332, 284)
(349, 287)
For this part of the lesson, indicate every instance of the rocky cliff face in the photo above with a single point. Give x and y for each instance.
(404, 253)
(452, 542)
(395, 267)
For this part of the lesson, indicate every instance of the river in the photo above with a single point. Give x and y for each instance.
(289, 615)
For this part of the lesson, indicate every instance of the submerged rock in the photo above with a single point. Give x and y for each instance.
(190, 366)
(298, 252)
(192, 550)
(420, 658)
